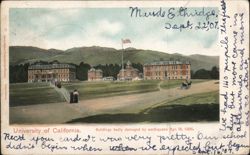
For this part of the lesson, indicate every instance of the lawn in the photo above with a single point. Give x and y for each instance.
(33, 93)
(197, 107)
(89, 90)
(202, 98)
(167, 84)
(39, 93)
(193, 108)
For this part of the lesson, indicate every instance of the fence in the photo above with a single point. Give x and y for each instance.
(64, 92)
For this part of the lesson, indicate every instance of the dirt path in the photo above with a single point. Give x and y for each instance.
(138, 102)
(63, 112)
(159, 85)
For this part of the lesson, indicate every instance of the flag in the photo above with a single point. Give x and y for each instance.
(126, 41)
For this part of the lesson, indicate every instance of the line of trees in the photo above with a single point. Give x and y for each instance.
(206, 74)
(19, 73)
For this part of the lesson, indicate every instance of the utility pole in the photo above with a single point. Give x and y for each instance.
(124, 41)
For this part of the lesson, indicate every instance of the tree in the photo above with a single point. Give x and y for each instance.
(215, 73)
(109, 69)
(202, 74)
(138, 66)
(192, 74)
(18, 73)
(82, 71)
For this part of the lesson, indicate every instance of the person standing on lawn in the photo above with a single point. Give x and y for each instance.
(71, 97)
(75, 96)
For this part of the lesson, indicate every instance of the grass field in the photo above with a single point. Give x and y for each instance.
(173, 113)
(202, 98)
(193, 108)
(89, 90)
(159, 105)
(33, 93)
(39, 93)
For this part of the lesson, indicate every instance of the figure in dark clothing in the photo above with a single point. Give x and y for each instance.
(59, 85)
(189, 84)
(71, 97)
(186, 84)
(75, 94)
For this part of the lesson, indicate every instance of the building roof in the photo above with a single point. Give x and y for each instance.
(95, 70)
(128, 63)
(130, 69)
(99, 70)
(167, 63)
(51, 66)
(92, 70)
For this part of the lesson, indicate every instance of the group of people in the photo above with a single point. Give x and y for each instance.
(186, 84)
(74, 96)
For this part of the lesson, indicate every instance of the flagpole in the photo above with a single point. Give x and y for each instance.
(122, 62)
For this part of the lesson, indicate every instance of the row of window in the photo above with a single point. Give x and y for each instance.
(46, 71)
(158, 73)
(94, 74)
(51, 76)
(63, 75)
(166, 67)
(170, 78)
(61, 71)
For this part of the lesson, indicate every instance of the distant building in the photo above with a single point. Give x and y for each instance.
(51, 72)
(95, 74)
(109, 78)
(167, 70)
(129, 73)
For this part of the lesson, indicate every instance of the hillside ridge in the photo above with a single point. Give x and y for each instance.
(95, 55)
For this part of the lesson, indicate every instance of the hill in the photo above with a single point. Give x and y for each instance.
(21, 54)
(103, 55)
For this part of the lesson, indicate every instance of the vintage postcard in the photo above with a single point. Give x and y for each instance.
(128, 77)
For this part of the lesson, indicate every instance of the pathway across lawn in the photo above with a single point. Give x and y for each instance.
(133, 103)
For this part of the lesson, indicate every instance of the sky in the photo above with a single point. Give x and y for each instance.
(77, 27)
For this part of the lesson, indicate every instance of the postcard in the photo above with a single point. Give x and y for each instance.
(127, 77)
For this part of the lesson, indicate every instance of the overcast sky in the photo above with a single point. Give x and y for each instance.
(77, 27)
